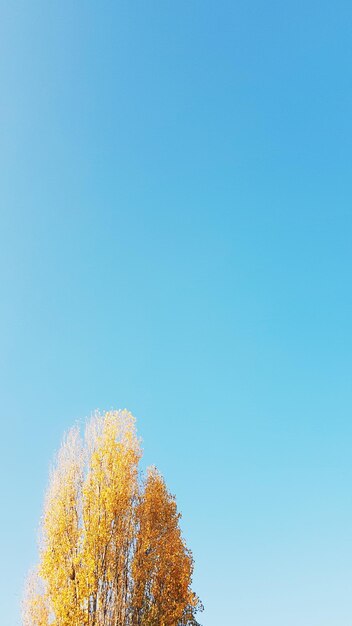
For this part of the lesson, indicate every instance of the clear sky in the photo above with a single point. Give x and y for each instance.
(175, 238)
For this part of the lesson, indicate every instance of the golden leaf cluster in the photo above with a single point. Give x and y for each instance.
(111, 551)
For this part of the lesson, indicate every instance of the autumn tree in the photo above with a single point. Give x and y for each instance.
(111, 549)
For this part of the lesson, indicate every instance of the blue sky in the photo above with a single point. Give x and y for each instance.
(175, 238)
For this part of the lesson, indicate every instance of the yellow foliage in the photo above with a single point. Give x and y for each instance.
(112, 553)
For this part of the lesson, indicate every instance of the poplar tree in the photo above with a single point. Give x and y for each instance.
(111, 550)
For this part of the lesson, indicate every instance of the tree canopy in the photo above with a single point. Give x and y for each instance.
(111, 549)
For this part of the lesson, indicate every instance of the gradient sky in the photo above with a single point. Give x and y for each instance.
(175, 238)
